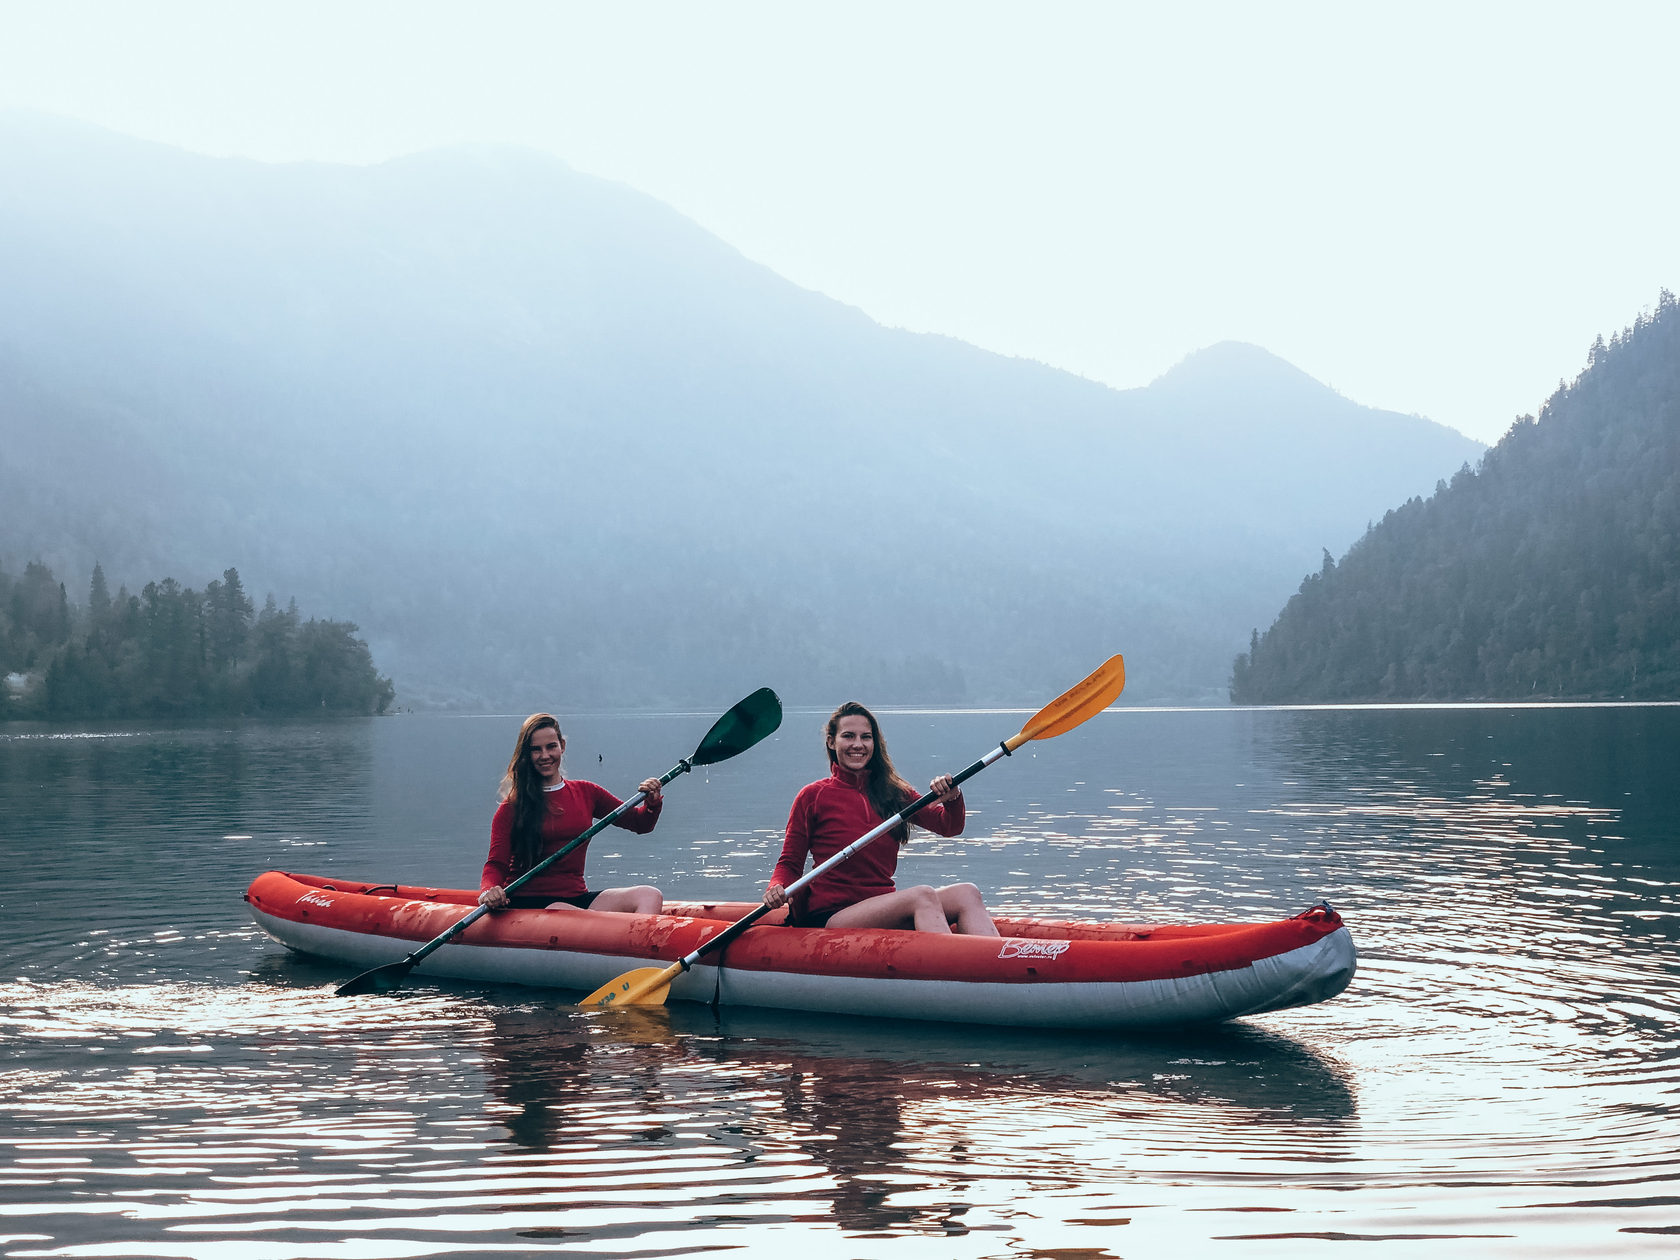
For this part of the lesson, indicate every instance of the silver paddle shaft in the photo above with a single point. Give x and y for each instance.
(874, 833)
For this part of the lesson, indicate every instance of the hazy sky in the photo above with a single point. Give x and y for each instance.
(1433, 208)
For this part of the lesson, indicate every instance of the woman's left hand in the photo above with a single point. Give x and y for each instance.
(946, 789)
(653, 788)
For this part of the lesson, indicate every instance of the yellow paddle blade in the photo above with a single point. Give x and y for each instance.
(646, 986)
(1083, 700)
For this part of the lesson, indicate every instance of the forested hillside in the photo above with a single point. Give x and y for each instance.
(550, 444)
(1552, 570)
(171, 651)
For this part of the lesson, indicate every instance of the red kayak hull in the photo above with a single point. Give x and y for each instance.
(1051, 973)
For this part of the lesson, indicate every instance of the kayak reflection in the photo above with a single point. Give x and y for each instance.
(1226, 1066)
(891, 1125)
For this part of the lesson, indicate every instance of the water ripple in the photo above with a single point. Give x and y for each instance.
(1503, 1078)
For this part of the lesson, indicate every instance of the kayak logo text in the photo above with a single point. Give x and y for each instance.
(314, 899)
(1013, 948)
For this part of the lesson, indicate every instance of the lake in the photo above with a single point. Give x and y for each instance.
(1501, 1079)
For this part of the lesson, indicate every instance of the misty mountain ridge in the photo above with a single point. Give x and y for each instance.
(548, 442)
(1241, 382)
(1213, 371)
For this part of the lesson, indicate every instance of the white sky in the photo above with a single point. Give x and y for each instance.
(1433, 208)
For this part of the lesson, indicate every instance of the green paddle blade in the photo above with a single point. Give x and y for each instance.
(379, 980)
(739, 729)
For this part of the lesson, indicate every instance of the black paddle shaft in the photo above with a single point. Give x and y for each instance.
(748, 722)
(393, 972)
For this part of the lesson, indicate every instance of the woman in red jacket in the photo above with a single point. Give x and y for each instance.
(542, 810)
(861, 792)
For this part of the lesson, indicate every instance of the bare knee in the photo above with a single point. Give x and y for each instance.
(927, 911)
(646, 899)
(966, 909)
(640, 899)
(926, 897)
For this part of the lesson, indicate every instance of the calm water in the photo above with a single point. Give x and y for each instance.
(1503, 1078)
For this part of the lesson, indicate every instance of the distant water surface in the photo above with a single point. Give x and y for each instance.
(1503, 1078)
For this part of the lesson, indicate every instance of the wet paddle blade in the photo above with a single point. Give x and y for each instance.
(1083, 700)
(379, 980)
(646, 986)
(738, 730)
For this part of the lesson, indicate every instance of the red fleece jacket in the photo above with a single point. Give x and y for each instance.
(572, 807)
(831, 813)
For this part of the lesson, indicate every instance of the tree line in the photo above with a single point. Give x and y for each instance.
(1552, 570)
(172, 651)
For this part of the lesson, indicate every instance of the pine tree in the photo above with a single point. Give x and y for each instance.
(228, 616)
(99, 595)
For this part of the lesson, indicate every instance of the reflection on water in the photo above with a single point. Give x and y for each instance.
(275, 1111)
(877, 1109)
(1502, 1078)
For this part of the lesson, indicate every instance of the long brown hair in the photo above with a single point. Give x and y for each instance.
(882, 784)
(522, 786)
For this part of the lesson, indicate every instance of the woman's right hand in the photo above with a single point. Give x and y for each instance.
(495, 898)
(775, 896)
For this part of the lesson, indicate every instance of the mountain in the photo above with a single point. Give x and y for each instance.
(1552, 570)
(547, 442)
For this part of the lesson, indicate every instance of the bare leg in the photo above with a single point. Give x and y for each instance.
(640, 899)
(917, 907)
(966, 911)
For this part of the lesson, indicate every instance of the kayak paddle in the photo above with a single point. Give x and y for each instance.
(649, 986)
(735, 732)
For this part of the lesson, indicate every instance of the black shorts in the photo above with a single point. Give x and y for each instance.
(814, 918)
(524, 901)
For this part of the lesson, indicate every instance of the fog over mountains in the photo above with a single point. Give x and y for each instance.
(552, 445)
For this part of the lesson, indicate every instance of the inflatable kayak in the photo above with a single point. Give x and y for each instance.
(1042, 972)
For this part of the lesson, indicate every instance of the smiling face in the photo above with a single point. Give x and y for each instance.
(545, 750)
(853, 743)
